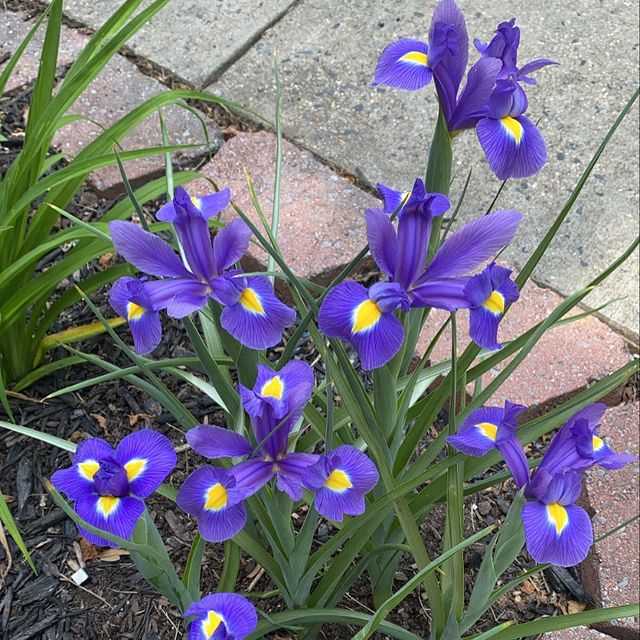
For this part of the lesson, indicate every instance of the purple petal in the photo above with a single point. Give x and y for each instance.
(335, 318)
(389, 296)
(360, 469)
(258, 319)
(251, 475)
(218, 526)
(450, 59)
(483, 328)
(391, 199)
(377, 346)
(148, 458)
(404, 64)
(383, 242)
(230, 244)
(556, 534)
(414, 231)
(145, 251)
(441, 293)
(213, 203)
(77, 480)
(532, 66)
(474, 99)
(212, 442)
(179, 296)
(514, 456)
(478, 433)
(514, 147)
(146, 331)
(473, 244)
(291, 473)
(114, 515)
(238, 615)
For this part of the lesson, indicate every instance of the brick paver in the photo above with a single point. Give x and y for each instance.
(567, 358)
(614, 575)
(14, 28)
(322, 214)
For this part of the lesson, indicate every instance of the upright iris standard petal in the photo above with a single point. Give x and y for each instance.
(114, 514)
(556, 530)
(211, 495)
(221, 616)
(253, 315)
(77, 480)
(230, 244)
(341, 479)
(404, 64)
(213, 442)
(383, 242)
(489, 294)
(207, 206)
(148, 457)
(146, 251)
(514, 146)
(351, 313)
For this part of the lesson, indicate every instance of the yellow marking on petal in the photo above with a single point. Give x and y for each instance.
(598, 443)
(211, 623)
(365, 316)
(88, 468)
(415, 57)
(250, 301)
(494, 303)
(216, 498)
(134, 311)
(338, 481)
(488, 430)
(196, 202)
(134, 468)
(558, 516)
(514, 128)
(107, 504)
(273, 388)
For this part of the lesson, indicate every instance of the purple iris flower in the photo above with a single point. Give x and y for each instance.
(489, 293)
(221, 616)
(391, 198)
(365, 318)
(275, 405)
(108, 486)
(490, 428)
(492, 98)
(252, 313)
(341, 479)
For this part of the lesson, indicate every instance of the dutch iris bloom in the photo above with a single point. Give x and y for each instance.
(252, 313)
(221, 616)
(340, 480)
(275, 404)
(108, 486)
(494, 428)
(489, 293)
(492, 99)
(366, 319)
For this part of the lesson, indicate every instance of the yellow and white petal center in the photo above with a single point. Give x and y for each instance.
(250, 300)
(216, 498)
(88, 468)
(196, 202)
(107, 505)
(513, 128)
(338, 481)
(273, 388)
(494, 303)
(365, 316)
(415, 57)
(557, 516)
(134, 311)
(598, 443)
(135, 468)
(211, 623)
(488, 430)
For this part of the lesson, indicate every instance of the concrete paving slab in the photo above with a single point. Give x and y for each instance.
(321, 213)
(328, 53)
(14, 28)
(119, 88)
(567, 358)
(579, 633)
(613, 577)
(194, 39)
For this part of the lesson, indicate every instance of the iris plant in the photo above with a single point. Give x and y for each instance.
(557, 530)
(365, 317)
(493, 100)
(252, 313)
(221, 616)
(108, 486)
(275, 405)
